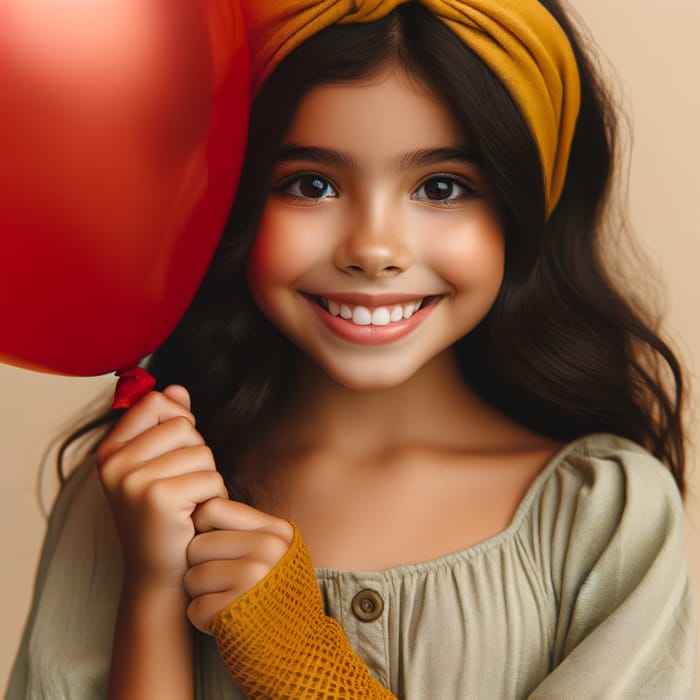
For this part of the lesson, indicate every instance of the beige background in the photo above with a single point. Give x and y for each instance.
(652, 45)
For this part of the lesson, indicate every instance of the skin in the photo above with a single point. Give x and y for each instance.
(379, 442)
(372, 433)
(376, 231)
(187, 549)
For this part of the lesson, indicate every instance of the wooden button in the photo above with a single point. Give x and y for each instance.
(367, 605)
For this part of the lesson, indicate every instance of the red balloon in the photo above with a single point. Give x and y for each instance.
(122, 130)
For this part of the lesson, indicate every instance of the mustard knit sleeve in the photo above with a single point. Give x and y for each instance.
(278, 643)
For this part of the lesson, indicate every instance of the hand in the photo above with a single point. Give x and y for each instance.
(156, 469)
(236, 548)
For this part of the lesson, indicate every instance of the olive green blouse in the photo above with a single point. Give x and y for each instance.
(585, 595)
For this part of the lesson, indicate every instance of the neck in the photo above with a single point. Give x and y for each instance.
(433, 407)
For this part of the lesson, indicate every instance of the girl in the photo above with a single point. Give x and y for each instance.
(409, 367)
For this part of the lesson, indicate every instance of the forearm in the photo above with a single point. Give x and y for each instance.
(152, 655)
(155, 469)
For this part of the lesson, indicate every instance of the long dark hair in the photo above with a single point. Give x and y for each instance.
(562, 351)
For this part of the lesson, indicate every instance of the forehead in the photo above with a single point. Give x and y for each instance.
(389, 112)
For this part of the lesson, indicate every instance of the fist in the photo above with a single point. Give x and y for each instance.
(237, 546)
(155, 470)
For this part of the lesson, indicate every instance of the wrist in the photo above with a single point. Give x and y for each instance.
(137, 577)
(156, 591)
(152, 653)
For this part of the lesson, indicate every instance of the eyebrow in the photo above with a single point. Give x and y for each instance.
(322, 156)
(464, 155)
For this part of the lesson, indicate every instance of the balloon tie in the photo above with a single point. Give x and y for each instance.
(134, 383)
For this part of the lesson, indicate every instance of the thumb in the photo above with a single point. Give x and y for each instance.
(178, 394)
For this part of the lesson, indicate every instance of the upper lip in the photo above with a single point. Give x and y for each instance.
(372, 299)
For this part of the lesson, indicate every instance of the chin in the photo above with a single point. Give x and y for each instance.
(377, 379)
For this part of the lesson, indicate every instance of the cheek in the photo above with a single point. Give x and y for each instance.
(287, 246)
(274, 258)
(266, 260)
(472, 257)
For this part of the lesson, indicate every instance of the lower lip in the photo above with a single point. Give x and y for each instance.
(372, 335)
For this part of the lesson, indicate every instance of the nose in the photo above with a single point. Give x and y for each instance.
(373, 247)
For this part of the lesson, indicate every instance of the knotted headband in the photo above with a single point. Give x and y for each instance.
(518, 39)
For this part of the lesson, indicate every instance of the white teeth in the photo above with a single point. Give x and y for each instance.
(361, 316)
(381, 316)
(378, 316)
(396, 314)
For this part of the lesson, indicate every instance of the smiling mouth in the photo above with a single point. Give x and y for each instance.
(362, 315)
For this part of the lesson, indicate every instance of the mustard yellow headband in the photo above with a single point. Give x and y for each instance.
(518, 39)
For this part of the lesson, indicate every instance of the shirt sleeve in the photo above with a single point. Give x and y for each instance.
(66, 646)
(65, 651)
(278, 643)
(626, 625)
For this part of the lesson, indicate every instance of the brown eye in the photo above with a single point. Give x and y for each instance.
(443, 188)
(310, 187)
(438, 189)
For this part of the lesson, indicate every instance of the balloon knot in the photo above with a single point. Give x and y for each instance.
(134, 383)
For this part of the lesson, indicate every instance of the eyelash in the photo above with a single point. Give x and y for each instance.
(469, 192)
(468, 189)
(283, 188)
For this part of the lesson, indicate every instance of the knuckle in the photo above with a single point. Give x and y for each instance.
(200, 516)
(102, 453)
(183, 425)
(275, 548)
(203, 609)
(110, 468)
(181, 422)
(190, 580)
(198, 521)
(255, 571)
(192, 550)
(197, 614)
(281, 529)
(156, 494)
(107, 448)
(207, 453)
(105, 460)
(203, 454)
(131, 484)
(217, 479)
(152, 401)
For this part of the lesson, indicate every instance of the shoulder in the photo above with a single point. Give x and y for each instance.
(606, 530)
(606, 511)
(604, 502)
(608, 472)
(608, 534)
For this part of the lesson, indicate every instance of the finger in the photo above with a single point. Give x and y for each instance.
(159, 440)
(202, 609)
(181, 493)
(179, 394)
(186, 460)
(236, 544)
(225, 514)
(151, 410)
(233, 575)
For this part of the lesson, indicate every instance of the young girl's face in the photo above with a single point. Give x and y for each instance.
(379, 245)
